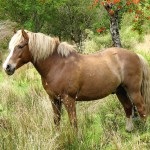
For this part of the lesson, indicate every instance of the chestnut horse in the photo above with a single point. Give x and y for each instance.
(68, 76)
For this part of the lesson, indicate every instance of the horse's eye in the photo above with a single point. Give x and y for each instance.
(19, 46)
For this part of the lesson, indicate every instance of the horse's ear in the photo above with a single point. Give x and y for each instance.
(57, 40)
(25, 35)
(15, 30)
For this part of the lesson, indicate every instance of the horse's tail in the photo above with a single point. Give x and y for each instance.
(145, 87)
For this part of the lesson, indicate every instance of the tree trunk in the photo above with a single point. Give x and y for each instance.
(114, 25)
(114, 30)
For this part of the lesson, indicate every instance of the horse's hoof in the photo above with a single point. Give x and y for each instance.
(129, 124)
(129, 128)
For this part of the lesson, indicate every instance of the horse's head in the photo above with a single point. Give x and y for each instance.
(19, 52)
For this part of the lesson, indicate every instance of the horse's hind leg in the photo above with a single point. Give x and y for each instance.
(133, 88)
(138, 102)
(127, 105)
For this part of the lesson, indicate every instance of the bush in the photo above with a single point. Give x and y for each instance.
(94, 43)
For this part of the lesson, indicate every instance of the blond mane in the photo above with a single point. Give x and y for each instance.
(41, 46)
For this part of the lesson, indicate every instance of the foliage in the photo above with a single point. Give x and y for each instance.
(28, 13)
(64, 18)
(129, 36)
(69, 19)
(140, 8)
(94, 42)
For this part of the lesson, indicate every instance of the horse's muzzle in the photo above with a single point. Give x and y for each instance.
(9, 69)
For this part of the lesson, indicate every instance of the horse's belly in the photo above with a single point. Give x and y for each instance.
(99, 89)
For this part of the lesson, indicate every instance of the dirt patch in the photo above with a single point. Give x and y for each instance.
(6, 32)
(6, 29)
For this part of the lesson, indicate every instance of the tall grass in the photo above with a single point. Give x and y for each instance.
(26, 120)
(25, 115)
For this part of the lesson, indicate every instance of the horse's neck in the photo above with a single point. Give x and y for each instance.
(44, 66)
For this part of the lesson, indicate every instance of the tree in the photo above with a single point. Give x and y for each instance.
(72, 17)
(28, 13)
(115, 9)
(64, 18)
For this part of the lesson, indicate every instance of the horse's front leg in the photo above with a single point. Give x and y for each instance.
(57, 105)
(71, 109)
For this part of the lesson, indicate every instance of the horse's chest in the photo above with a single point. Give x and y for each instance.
(49, 89)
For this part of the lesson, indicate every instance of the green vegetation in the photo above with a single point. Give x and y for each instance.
(66, 19)
(26, 117)
(26, 120)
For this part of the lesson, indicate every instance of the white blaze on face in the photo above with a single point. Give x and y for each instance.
(7, 60)
(16, 39)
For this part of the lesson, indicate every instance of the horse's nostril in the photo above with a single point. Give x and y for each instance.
(8, 67)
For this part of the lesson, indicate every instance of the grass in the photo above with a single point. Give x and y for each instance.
(26, 120)
(26, 116)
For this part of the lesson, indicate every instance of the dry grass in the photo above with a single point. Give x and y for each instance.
(25, 115)
(26, 120)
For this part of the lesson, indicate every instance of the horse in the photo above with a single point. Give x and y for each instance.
(68, 76)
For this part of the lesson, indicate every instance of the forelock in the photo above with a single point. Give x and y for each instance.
(15, 40)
